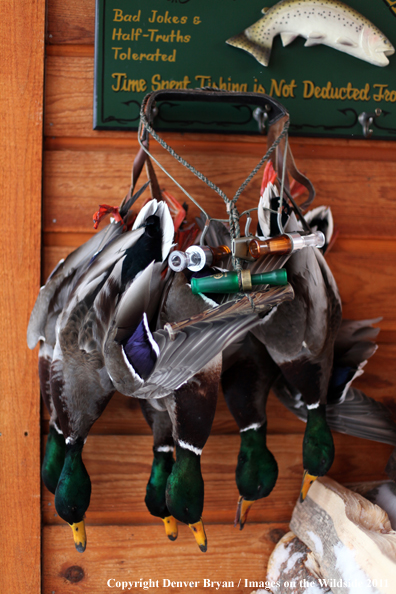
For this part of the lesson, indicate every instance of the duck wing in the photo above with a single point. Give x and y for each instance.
(80, 383)
(182, 349)
(100, 268)
(53, 295)
(80, 386)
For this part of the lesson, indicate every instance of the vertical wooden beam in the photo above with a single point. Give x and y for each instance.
(22, 27)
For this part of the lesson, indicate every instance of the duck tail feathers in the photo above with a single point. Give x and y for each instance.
(167, 226)
(357, 415)
(321, 219)
(146, 211)
(362, 416)
(161, 210)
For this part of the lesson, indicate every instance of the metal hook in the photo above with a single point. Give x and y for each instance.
(248, 220)
(205, 230)
(247, 225)
(261, 117)
(366, 119)
(153, 113)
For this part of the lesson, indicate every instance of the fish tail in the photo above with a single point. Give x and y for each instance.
(260, 52)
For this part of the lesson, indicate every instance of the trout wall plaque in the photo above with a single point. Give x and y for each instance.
(182, 44)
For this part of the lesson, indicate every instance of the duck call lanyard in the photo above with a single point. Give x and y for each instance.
(278, 120)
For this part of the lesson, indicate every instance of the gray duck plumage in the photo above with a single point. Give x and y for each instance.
(184, 378)
(42, 328)
(80, 384)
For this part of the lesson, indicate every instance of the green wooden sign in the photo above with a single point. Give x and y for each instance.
(181, 44)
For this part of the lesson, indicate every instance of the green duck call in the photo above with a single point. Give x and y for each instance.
(232, 282)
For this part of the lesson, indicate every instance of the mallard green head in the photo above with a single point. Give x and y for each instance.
(318, 448)
(155, 493)
(73, 493)
(54, 458)
(185, 493)
(256, 471)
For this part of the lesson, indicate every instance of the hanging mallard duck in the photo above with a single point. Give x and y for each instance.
(112, 316)
(327, 22)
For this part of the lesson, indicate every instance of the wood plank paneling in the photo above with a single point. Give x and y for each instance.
(74, 51)
(76, 182)
(126, 553)
(365, 282)
(21, 104)
(303, 148)
(119, 467)
(71, 23)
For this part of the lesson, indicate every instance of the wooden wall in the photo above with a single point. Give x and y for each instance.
(21, 109)
(83, 168)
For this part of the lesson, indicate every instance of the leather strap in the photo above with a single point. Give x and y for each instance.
(154, 185)
(137, 167)
(291, 168)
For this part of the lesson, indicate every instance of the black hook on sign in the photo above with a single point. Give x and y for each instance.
(366, 119)
(261, 117)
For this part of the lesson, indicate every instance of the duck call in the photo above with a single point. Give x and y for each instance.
(196, 257)
(231, 282)
(285, 244)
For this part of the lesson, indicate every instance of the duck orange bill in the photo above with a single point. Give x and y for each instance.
(170, 527)
(80, 539)
(200, 536)
(242, 511)
(307, 481)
